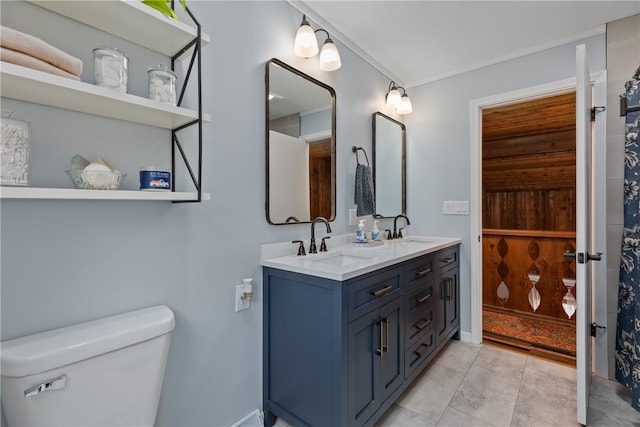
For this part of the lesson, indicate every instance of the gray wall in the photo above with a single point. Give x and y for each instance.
(65, 262)
(438, 158)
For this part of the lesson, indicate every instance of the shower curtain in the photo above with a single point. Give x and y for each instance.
(628, 325)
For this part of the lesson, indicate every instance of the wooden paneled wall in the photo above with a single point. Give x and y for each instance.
(528, 172)
(512, 256)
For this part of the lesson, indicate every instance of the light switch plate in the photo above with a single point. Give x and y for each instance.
(455, 207)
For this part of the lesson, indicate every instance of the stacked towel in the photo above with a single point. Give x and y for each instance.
(364, 195)
(31, 52)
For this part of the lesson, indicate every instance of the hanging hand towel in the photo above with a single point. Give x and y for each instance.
(364, 196)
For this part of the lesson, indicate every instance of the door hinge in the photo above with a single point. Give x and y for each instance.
(594, 111)
(595, 327)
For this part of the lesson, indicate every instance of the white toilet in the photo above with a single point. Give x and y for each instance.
(106, 372)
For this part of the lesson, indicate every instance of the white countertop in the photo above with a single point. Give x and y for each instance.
(346, 259)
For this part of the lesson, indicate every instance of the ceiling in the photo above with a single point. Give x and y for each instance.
(416, 42)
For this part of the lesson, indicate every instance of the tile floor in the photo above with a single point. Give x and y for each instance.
(471, 385)
(482, 385)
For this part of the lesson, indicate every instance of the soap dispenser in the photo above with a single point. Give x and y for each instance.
(361, 235)
(375, 233)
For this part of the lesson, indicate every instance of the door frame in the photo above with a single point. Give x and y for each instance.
(599, 293)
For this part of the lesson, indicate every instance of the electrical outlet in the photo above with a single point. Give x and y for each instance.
(241, 303)
(353, 219)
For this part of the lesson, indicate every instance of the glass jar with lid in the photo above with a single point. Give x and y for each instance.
(110, 67)
(162, 85)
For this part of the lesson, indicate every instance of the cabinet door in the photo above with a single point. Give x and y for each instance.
(375, 359)
(365, 338)
(447, 311)
(391, 365)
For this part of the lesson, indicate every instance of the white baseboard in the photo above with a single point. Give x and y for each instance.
(465, 336)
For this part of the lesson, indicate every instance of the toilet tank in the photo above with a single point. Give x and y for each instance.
(106, 372)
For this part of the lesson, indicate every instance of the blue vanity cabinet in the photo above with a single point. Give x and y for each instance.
(339, 353)
(447, 296)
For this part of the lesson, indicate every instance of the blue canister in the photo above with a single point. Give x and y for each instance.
(154, 179)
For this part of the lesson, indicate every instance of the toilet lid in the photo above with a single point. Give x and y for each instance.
(60, 347)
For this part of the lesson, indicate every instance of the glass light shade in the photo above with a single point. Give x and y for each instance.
(405, 106)
(306, 44)
(329, 57)
(393, 98)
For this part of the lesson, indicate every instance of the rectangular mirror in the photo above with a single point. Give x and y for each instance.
(300, 141)
(389, 165)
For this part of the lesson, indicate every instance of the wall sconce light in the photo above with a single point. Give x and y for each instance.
(306, 46)
(400, 102)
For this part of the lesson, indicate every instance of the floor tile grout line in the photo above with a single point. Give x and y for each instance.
(526, 363)
(466, 372)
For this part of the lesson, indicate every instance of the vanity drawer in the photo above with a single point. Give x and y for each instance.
(420, 297)
(419, 323)
(373, 291)
(420, 270)
(417, 355)
(448, 259)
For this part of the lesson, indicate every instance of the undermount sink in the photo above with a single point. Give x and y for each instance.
(415, 241)
(340, 259)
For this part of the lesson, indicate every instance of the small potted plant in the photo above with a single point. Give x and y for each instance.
(164, 6)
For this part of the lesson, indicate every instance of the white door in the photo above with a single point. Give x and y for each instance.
(584, 235)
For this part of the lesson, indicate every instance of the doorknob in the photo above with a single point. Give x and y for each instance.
(596, 257)
(580, 257)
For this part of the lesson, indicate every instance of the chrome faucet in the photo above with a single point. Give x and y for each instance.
(397, 234)
(312, 246)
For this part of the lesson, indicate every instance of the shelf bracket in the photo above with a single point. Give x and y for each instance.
(196, 59)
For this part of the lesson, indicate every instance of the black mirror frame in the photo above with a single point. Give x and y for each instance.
(332, 93)
(404, 159)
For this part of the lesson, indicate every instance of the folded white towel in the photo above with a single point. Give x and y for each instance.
(19, 58)
(37, 48)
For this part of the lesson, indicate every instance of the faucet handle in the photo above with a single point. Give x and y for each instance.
(389, 236)
(400, 233)
(300, 247)
(323, 244)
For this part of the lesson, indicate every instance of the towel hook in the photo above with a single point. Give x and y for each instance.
(355, 150)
